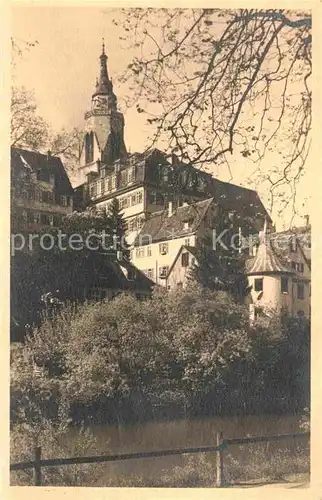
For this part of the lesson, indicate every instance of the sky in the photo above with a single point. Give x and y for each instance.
(63, 66)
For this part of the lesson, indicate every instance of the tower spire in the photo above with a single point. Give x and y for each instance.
(104, 85)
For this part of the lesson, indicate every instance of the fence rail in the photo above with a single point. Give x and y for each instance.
(221, 445)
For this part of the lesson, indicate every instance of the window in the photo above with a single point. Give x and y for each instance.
(113, 181)
(123, 202)
(102, 186)
(140, 223)
(185, 259)
(258, 284)
(187, 242)
(123, 177)
(293, 265)
(57, 220)
(150, 274)
(140, 251)
(300, 267)
(63, 199)
(89, 148)
(38, 195)
(258, 312)
(31, 217)
(148, 251)
(163, 248)
(45, 196)
(97, 294)
(163, 271)
(152, 197)
(159, 199)
(51, 220)
(102, 173)
(193, 261)
(284, 284)
(300, 291)
(131, 275)
(37, 218)
(131, 175)
(300, 314)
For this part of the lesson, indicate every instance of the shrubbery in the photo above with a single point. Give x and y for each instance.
(114, 361)
(120, 361)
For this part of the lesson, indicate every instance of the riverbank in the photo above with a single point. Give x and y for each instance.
(247, 464)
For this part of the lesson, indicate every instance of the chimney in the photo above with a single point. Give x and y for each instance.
(307, 220)
(170, 208)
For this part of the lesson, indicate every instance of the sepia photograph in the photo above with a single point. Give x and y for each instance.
(160, 247)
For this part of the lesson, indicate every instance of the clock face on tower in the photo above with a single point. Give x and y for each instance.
(99, 102)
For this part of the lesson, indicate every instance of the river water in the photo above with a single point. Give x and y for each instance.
(152, 436)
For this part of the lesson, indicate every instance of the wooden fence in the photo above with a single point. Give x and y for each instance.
(221, 445)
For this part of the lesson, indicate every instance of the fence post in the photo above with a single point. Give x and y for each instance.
(219, 461)
(37, 466)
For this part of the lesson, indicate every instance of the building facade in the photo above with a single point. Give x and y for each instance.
(41, 191)
(178, 275)
(280, 277)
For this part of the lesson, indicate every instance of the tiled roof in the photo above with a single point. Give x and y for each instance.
(281, 241)
(266, 261)
(22, 159)
(111, 275)
(240, 199)
(162, 227)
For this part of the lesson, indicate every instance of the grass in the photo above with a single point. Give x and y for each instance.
(243, 465)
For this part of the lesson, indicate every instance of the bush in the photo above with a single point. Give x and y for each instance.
(55, 442)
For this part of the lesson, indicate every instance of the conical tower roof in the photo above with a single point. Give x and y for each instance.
(104, 85)
(266, 261)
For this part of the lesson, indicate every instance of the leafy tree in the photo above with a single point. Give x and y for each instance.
(221, 268)
(113, 361)
(248, 89)
(71, 266)
(118, 227)
(30, 131)
(130, 354)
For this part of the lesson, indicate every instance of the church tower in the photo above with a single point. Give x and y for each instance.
(104, 127)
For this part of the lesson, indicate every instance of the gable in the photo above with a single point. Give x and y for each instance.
(32, 161)
(289, 249)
